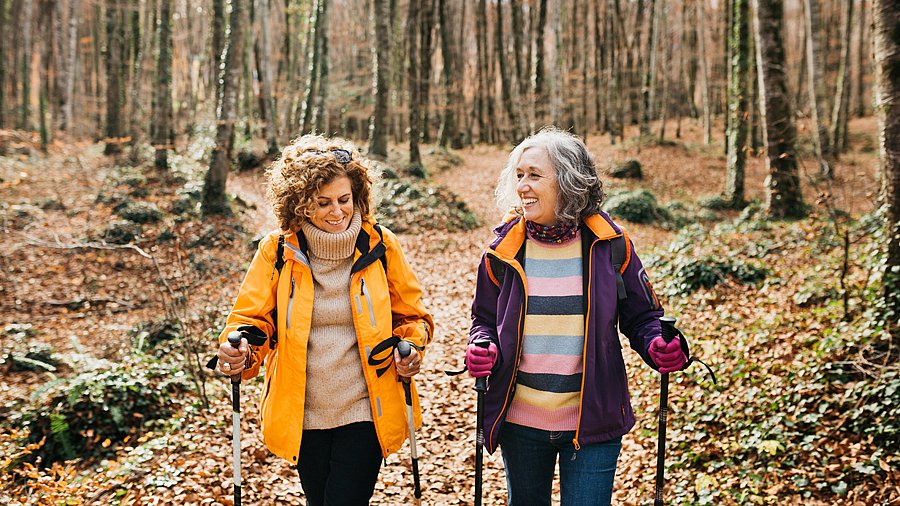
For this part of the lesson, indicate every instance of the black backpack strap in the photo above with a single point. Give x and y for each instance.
(620, 252)
(383, 258)
(496, 270)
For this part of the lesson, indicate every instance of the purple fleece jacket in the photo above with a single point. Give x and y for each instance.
(498, 315)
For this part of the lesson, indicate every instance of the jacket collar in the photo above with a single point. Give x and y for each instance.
(511, 232)
(369, 246)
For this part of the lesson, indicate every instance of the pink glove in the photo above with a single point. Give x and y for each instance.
(480, 360)
(668, 357)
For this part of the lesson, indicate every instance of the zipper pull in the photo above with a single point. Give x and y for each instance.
(577, 447)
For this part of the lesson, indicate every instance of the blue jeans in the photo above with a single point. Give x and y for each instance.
(529, 456)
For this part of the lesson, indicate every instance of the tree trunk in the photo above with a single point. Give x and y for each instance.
(634, 64)
(321, 110)
(451, 75)
(601, 111)
(505, 84)
(214, 201)
(263, 62)
(312, 79)
(216, 76)
(379, 125)
(662, 108)
(704, 73)
(540, 87)
(613, 71)
(413, 23)
(515, 8)
(137, 69)
(426, 50)
(67, 92)
(838, 132)
(738, 108)
(783, 197)
(3, 46)
(815, 58)
(25, 110)
(162, 114)
(115, 76)
(886, 17)
(649, 69)
(861, 59)
(481, 68)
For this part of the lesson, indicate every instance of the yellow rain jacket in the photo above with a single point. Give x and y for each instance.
(387, 301)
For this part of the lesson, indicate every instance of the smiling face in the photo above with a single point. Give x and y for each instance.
(537, 186)
(334, 206)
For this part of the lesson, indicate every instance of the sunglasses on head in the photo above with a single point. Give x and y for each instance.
(342, 156)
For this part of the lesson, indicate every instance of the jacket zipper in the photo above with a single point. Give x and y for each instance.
(365, 292)
(520, 330)
(587, 316)
(287, 319)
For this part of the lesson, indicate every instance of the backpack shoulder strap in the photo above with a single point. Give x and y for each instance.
(383, 258)
(620, 250)
(279, 254)
(496, 270)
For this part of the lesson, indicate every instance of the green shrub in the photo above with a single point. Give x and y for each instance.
(87, 414)
(121, 232)
(21, 352)
(629, 169)
(152, 333)
(140, 212)
(637, 206)
(405, 206)
(874, 408)
(692, 275)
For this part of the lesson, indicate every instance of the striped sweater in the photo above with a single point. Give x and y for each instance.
(548, 383)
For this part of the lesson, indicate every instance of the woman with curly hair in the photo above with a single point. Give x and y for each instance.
(331, 294)
(553, 289)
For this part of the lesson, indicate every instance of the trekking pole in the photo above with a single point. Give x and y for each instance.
(405, 349)
(481, 388)
(234, 339)
(668, 333)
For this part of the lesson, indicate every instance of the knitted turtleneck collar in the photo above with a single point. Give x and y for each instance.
(332, 246)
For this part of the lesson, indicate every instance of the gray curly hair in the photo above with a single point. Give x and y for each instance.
(580, 189)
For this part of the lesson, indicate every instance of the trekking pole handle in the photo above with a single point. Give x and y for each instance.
(234, 339)
(668, 328)
(481, 383)
(404, 348)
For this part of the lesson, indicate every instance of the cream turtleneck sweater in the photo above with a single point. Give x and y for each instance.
(336, 391)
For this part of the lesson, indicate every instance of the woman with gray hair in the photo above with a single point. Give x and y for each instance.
(552, 289)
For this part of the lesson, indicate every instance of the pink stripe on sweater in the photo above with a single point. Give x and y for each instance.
(554, 287)
(545, 419)
(562, 365)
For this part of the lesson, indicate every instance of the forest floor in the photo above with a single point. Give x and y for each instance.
(84, 298)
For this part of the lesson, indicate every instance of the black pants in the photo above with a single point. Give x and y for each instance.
(339, 467)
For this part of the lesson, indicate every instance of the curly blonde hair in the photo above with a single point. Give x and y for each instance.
(308, 163)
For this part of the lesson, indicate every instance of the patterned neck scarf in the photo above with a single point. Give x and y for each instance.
(553, 234)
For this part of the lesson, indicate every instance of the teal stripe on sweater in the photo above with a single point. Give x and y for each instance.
(552, 268)
(553, 345)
